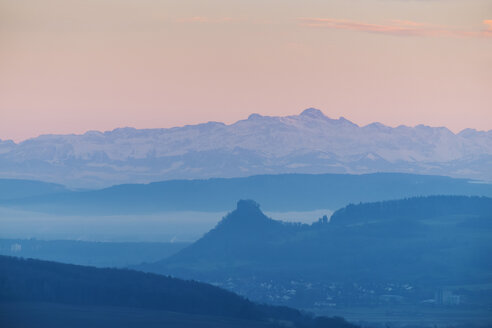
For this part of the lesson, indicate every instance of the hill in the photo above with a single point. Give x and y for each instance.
(100, 290)
(423, 243)
(309, 142)
(284, 192)
(17, 188)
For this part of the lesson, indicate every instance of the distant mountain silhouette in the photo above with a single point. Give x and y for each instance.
(444, 238)
(285, 192)
(46, 285)
(240, 236)
(17, 188)
(309, 142)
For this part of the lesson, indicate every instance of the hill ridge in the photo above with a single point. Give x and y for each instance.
(283, 192)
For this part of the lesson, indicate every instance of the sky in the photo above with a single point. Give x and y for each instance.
(69, 66)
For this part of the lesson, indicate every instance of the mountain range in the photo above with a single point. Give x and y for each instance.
(307, 143)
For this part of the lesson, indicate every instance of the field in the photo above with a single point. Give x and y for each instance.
(408, 316)
(30, 315)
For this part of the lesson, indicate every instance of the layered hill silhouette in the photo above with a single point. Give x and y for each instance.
(284, 192)
(436, 240)
(40, 294)
(17, 188)
(309, 142)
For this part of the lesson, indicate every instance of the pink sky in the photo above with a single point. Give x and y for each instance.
(78, 65)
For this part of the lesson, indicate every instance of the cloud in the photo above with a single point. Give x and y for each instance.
(488, 31)
(396, 27)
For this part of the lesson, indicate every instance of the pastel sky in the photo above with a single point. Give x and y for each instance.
(68, 66)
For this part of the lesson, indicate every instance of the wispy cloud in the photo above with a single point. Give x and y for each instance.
(396, 27)
(488, 31)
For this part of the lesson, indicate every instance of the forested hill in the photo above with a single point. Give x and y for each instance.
(444, 238)
(41, 281)
(416, 208)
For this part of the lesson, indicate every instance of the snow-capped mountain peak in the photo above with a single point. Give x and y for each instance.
(309, 142)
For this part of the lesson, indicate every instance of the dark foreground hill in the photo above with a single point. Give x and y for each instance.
(284, 192)
(422, 243)
(41, 294)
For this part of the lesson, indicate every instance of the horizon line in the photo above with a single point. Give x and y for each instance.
(250, 117)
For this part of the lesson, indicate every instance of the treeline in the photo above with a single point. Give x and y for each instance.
(416, 208)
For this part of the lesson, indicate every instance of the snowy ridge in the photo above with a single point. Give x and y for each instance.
(306, 143)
